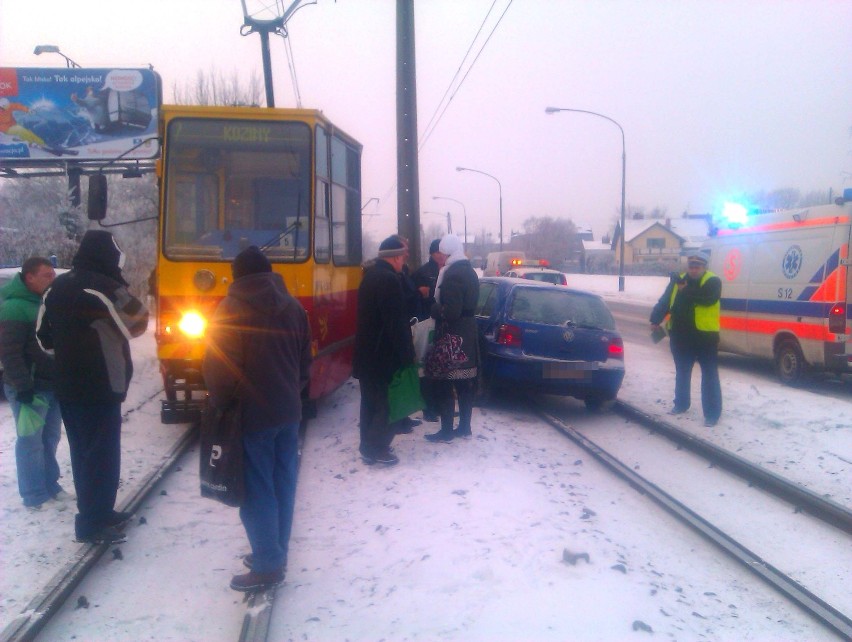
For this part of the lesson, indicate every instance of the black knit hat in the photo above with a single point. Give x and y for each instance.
(434, 245)
(391, 246)
(250, 261)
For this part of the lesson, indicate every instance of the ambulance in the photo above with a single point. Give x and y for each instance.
(786, 283)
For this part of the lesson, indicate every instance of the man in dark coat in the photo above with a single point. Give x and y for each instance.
(425, 277)
(691, 302)
(382, 346)
(259, 354)
(86, 320)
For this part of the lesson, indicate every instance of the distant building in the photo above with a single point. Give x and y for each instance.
(660, 240)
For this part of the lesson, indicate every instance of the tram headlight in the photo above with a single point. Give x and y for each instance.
(193, 325)
(204, 280)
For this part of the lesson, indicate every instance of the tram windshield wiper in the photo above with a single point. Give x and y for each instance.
(295, 225)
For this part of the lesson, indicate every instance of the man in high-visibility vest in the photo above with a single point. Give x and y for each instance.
(690, 307)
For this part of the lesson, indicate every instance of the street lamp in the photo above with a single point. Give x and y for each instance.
(499, 186)
(464, 209)
(40, 49)
(449, 219)
(553, 110)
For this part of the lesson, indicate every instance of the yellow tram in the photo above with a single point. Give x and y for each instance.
(285, 180)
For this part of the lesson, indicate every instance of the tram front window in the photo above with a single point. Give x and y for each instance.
(231, 184)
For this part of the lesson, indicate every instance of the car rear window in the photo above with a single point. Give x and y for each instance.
(558, 307)
(547, 277)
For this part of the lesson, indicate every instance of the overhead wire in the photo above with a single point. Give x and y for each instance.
(436, 117)
(427, 133)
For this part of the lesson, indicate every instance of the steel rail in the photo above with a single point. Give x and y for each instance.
(800, 497)
(47, 602)
(810, 603)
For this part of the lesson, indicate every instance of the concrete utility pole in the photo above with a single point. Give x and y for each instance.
(407, 176)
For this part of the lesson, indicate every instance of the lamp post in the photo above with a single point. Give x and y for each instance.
(40, 49)
(464, 209)
(499, 187)
(449, 219)
(553, 110)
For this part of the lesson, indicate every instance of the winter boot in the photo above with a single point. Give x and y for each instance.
(443, 436)
(254, 581)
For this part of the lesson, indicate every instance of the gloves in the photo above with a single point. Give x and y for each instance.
(25, 396)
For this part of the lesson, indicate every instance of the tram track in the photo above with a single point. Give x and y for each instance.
(803, 501)
(27, 625)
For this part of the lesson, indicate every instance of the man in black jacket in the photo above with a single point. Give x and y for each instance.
(383, 345)
(86, 320)
(259, 355)
(425, 277)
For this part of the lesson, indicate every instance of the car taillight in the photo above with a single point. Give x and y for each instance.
(509, 335)
(837, 318)
(564, 280)
(615, 349)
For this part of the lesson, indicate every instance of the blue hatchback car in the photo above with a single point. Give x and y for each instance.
(548, 338)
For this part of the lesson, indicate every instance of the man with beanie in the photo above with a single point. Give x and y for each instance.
(691, 302)
(86, 320)
(28, 381)
(425, 277)
(383, 345)
(259, 356)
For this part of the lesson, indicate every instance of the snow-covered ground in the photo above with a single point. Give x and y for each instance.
(458, 542)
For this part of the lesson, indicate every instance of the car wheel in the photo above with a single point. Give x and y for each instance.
(597, 402)
(790, 363)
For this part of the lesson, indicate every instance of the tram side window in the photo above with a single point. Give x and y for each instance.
(322, 244)
(345, 203)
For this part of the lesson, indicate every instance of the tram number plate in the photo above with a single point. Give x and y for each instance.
(572, 370)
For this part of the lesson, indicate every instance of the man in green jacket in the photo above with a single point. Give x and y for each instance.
(28, 384)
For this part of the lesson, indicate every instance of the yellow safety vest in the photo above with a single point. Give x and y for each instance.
(706, 316)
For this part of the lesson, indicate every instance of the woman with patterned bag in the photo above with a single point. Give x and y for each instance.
(453, 361)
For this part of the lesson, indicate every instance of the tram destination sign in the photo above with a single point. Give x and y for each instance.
(78, 114)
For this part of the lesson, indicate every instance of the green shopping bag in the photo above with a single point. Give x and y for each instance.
(404, 393)
(31, 416)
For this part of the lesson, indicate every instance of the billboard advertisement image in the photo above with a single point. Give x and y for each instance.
(78, 114)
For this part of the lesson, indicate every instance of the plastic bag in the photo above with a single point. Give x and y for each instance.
(221, 459)
(422, 333)
(31, 416)
(404, 395)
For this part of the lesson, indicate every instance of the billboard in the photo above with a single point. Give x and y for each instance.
(78, 114)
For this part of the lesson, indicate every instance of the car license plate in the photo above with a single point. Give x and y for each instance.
(574, 370)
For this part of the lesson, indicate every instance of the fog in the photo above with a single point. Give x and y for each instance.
(714, 98)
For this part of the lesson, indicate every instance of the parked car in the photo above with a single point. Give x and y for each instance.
(547, 338)
(537, 271)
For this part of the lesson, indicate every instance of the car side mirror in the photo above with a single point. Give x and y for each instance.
(97, 204)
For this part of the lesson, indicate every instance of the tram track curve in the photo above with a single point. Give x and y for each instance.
(803, 500)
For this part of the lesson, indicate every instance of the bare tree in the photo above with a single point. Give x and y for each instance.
(215, 88)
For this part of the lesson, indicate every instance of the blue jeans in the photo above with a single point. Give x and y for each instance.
(270, 461)
(35, 455)
(685, 355)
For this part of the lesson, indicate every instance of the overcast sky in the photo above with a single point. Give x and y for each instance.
(714, 97)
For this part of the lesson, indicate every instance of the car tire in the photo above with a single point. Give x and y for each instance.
(790, 363)
(598, 403)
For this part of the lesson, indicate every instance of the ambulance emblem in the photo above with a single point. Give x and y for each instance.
(792, 262)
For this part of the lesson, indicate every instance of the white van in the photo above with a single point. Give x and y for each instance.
(786, 280)
(498, 263)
